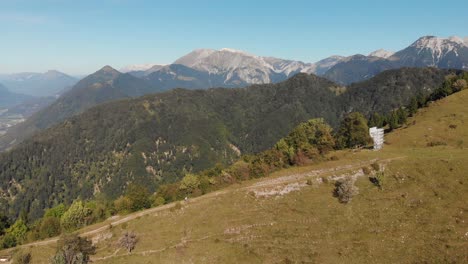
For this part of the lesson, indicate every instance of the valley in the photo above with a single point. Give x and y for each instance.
(8, 120)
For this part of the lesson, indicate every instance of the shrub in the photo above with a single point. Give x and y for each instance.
(436, 143)
(8, 241)
(158, 201)
(56, 211)
(189, 183)
(139, 197)
(366, 170)
(16, 233)
(378, 179)
(123, 204)
(345, 190)
(375, 166)
(300, 158)
(21, 257)
(128, 241)
(75, 217)
(177, 206)
(49, 227)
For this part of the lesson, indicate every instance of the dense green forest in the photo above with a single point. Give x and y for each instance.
(157, 139)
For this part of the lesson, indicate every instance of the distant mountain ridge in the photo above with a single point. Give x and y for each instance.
(427, 51)
(227, 68)
(50, 83)
(234, 68)
(9, 99)
(381, 53)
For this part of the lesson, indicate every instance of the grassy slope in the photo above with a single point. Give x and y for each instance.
(421, 215)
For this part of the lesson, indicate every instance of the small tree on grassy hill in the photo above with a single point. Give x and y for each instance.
(128, 241)
(73, 249)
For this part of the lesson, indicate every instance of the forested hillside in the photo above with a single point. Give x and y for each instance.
(393, 88)
(102, 86)
(159, 138)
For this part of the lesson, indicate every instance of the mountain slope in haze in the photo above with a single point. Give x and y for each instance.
(9, 99)
(104, 85)
(158, 138)
(45, 84)
(428, 51)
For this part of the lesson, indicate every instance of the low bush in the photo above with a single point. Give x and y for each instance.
(345, 190)
(436, 143)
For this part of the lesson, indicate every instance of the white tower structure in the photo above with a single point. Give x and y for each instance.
(377, 134)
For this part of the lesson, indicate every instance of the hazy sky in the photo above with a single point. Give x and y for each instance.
(80, 36)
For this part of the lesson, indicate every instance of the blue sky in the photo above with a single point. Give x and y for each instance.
(80, 36)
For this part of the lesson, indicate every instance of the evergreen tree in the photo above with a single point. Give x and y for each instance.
(353, 131)
(413, 106)
(392, 120)
(376, 120)
(402, 116)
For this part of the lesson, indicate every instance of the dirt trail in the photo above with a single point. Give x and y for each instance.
(266, 182)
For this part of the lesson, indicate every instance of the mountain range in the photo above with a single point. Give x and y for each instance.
(208, 68)
(234, 68)
(50, 83)
(428, 51)
(158, 138)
